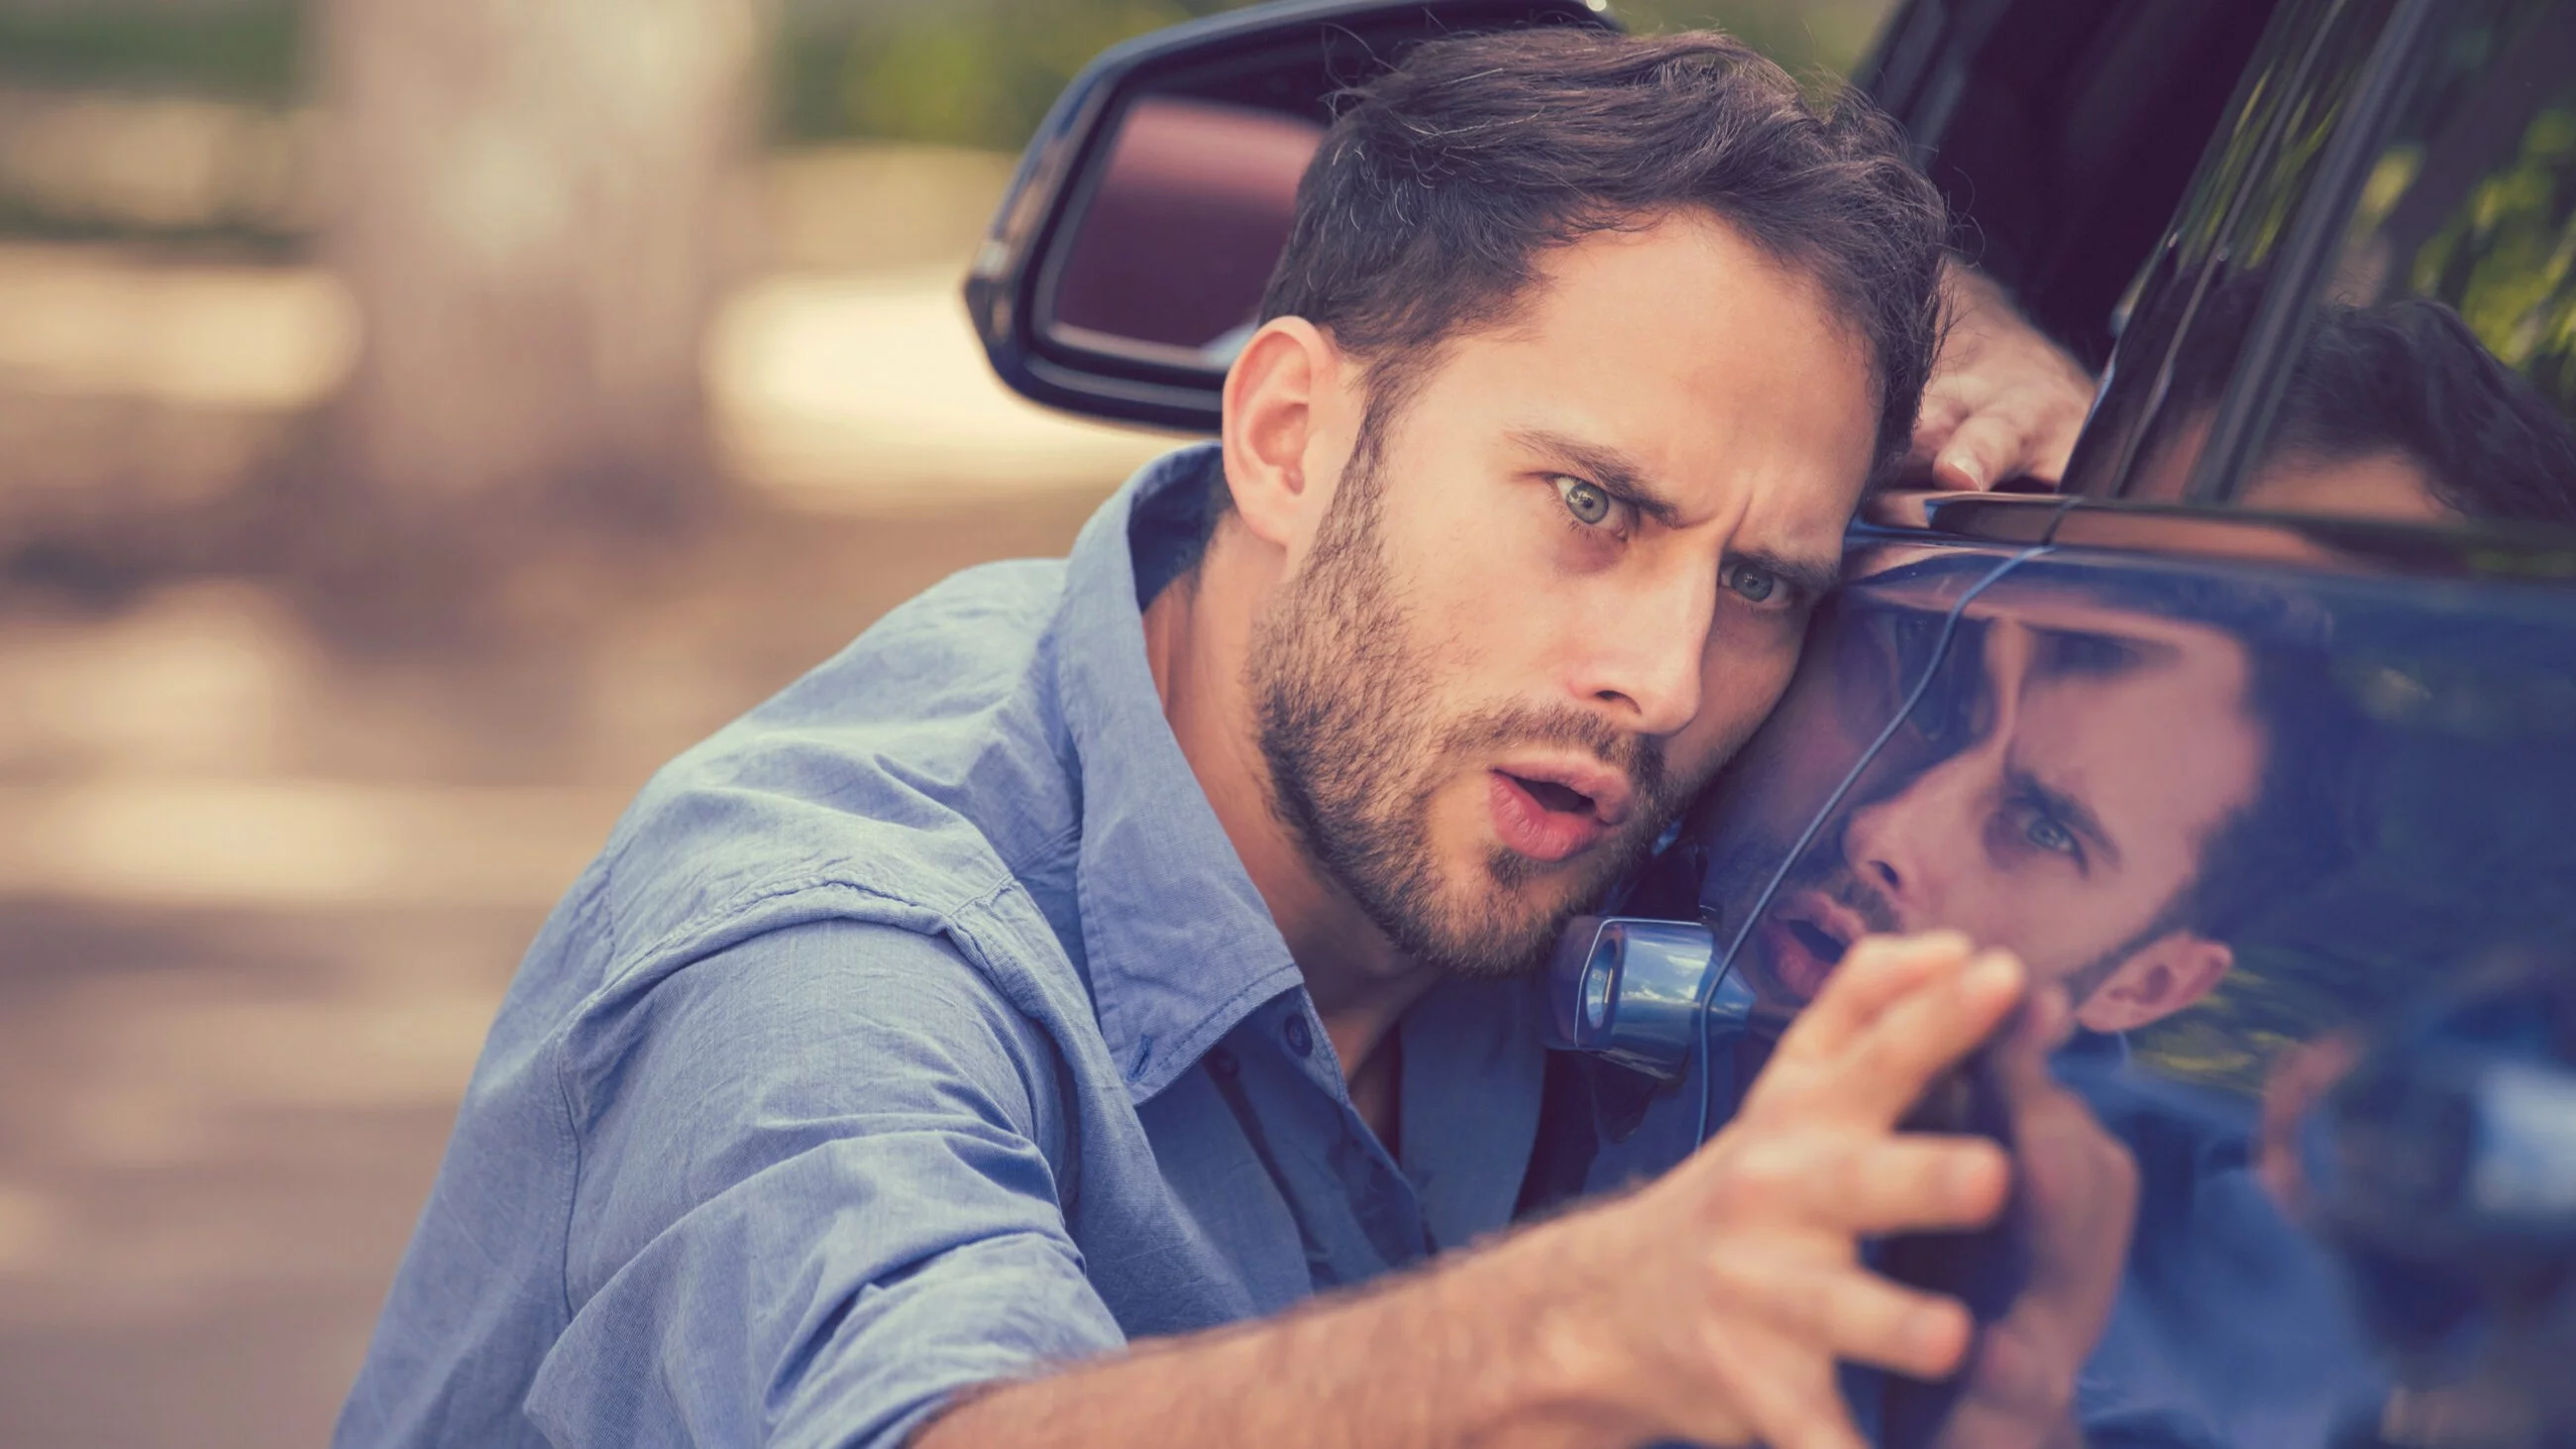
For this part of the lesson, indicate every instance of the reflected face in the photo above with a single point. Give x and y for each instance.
(2061, 816)
(1561, 586)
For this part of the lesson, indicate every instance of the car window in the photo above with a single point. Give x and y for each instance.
(2434, 374)
(2181, 331)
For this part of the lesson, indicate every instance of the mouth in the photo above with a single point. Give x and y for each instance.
(1554, 809)
(1807, 936)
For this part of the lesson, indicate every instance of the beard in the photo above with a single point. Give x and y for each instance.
(1351, 730)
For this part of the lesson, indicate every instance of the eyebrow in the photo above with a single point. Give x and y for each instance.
(2076, 815)
(1813, 577)
(2092, 653)
(1615, 471)
(1624, 478)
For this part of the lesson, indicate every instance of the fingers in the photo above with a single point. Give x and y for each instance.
(1939, 417)
(1876, 971)
(2045, 1022)
(1889, 1063)
(1989, 447)
(2082, 1184)
(1792, 1401)
(1855, 1315)
(2003, 400)
(1870, 1186)
(2021, 1395)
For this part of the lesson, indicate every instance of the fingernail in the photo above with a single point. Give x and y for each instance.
(1973, 1174)
(1967, 468)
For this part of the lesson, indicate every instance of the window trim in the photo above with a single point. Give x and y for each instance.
(2307, 255)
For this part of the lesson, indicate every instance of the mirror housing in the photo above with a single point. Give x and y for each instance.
(1128, 258)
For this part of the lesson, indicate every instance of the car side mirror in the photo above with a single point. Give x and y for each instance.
(1126, 265)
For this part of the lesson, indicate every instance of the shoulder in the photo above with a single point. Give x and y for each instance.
(823, 1022)
(919, 772)
(844, 1097)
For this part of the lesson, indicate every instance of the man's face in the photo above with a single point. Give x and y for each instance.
(1561, 586)
(2069, 807)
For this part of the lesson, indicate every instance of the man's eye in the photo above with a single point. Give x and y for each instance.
(1590, 503)
(1754, 586)
(2049, 835)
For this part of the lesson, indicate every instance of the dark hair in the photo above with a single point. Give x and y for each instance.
(2410, 377)
(2406, 377)
(2310, 817)
(1441, 181)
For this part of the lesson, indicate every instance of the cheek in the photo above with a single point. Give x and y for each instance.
(1739, 686)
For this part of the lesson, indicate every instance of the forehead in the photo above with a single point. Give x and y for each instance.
(1725, 373)
(2158, 743)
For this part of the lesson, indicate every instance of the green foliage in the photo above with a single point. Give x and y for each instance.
(2507, 261)
(960, 72)
(247, 51)
(983, 72)
(965, 72)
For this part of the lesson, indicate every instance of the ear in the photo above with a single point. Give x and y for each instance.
(2160, 978)
(1280, 395)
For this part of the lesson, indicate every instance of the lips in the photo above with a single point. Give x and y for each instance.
(1551, 810)
(1805, 938)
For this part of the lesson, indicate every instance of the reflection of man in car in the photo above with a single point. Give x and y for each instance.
(2114, 779)
(2109, 790)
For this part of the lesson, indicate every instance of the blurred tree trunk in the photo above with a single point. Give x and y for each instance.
(535, 206)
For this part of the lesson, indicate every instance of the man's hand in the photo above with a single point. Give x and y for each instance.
(1715, 1304)
(2079, 1190)
(1712, 1305)
(2003, 402)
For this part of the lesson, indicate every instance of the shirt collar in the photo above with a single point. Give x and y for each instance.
(1474, 1073)
(1180, 945)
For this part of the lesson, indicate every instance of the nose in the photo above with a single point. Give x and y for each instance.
(1920, 845)
(1896, 844)
(1647, 654)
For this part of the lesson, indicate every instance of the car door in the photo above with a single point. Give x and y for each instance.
(2265, 732)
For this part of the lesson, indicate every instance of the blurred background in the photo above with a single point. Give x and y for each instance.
(417, 421)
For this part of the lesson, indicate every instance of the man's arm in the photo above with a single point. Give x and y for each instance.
(1711, 1305)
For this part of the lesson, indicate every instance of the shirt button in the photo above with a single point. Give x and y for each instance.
(1301, 1037)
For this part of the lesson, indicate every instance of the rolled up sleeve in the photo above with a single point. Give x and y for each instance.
(820, 1194)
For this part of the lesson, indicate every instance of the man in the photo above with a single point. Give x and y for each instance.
(1128, 948)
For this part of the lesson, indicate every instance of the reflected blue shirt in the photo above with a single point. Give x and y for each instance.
(919, 1029)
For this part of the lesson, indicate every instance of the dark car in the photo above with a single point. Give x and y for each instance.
(2260, 733)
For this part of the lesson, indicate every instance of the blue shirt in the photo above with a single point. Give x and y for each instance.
(919, 1029)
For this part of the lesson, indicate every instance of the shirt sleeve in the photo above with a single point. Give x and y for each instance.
(818, 1198)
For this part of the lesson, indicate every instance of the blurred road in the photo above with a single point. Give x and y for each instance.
(260, 898)
(260, 891)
